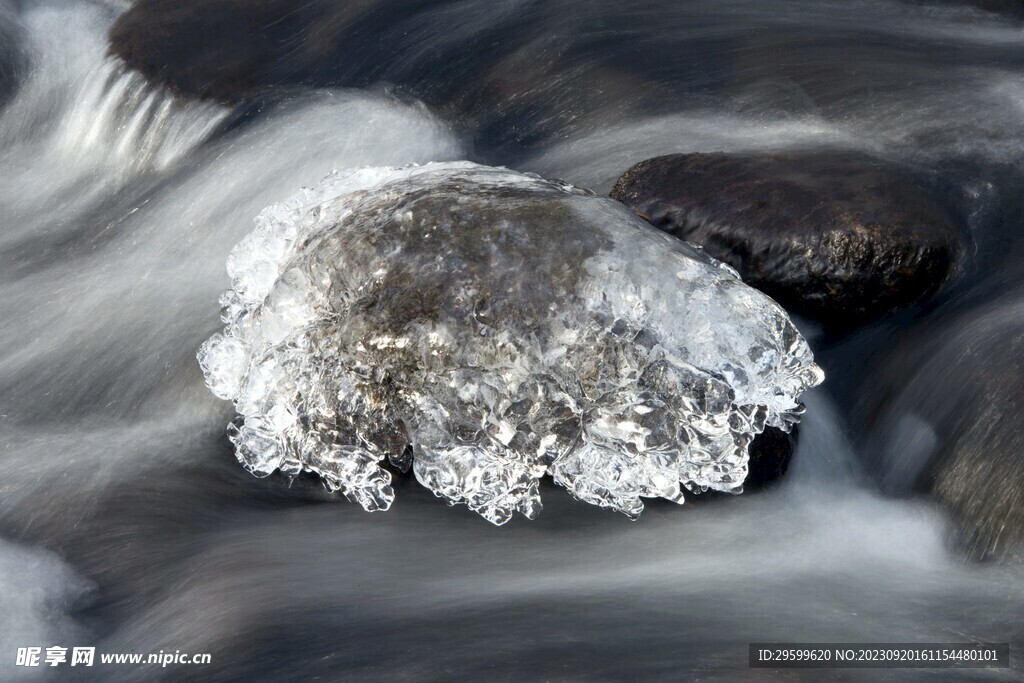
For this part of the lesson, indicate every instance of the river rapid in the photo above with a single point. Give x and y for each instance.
(125, 521)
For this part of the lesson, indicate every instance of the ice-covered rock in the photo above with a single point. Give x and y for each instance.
(491, 327)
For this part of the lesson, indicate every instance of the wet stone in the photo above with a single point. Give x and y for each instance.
(833, 235)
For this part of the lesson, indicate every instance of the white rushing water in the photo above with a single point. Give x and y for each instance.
(125, 524)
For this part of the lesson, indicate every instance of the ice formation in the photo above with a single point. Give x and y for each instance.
(489, 327)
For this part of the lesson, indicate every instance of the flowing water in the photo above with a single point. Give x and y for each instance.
(125, 521)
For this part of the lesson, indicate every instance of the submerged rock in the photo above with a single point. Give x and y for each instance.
(504, 327)
(231, 49)
(235, 50)
(837, 236)
(770, 454)
(943, 418)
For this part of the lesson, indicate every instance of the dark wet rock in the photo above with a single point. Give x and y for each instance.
(236, 50)
(171, 43)
(837, 236)
(514, 78)
(228, 50)
(943, 414)
(501, 76)
(770, 453)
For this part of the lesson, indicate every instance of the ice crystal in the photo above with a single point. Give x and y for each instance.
(490, 327)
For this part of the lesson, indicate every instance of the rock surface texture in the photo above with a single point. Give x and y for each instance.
(227, 50)
(491, 327)
(836, 236)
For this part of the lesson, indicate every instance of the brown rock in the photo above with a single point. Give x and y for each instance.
(770, 453)
(834, 235)
(227, 50)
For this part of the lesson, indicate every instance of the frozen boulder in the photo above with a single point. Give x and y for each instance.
(491, 327)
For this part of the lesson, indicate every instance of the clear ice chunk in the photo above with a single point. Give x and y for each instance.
(494, 327)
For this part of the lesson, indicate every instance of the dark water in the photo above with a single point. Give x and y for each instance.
(127, 524)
